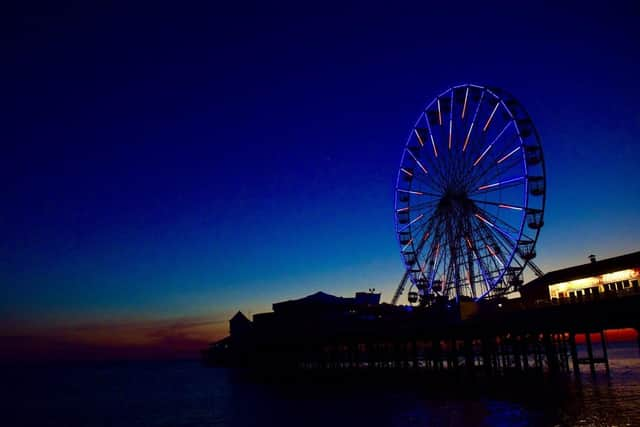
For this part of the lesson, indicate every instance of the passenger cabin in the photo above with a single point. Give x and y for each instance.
(617, 276)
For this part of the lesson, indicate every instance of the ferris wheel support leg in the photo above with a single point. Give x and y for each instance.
(400, 288)
(536, 270)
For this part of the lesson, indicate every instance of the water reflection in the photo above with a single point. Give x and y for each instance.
(586, 401)
(187, 394)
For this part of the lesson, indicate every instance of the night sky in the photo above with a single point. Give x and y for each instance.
(162, 168)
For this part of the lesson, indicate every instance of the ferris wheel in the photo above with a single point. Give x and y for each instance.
(470, 196)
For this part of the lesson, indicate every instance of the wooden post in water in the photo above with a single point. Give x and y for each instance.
(552, 360)
(565, 351)
(525, 352)
(437, 355)
(574, 353)
(517, 351)
(453, 357)
(604, 351)
(503, 351)
(468, 355)
(592, 365)
(486, 358)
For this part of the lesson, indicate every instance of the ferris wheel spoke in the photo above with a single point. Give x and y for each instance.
(466, 97)
(428, 172)
(418, 162)
(499, 185)
(500, 205)
(484, 161)
(416, 230)
(452, 253)
(495, 108)
(498, 221)
(416, 192)
(495, 226)
(492, 170)
(433, 142)
(450, 276)
(419, 236)
(410, 223)
(485, 239)
(422, 235)
(460, 252)
(509, 154)
(486, 150)
(491, 268)
(493, 252)
(438, 251)
(427, 209)
(428, 188)
(483, 270)
(465, 268)
(500, 246)
(448, 270)
(424, 142)
(441, 171)
(429, 163)
(498, 182)
(430, 183)
(433, 268)
(451, 120)
(423, 203)
(504, 244)
(476, 243)
(469, 257)
(473, 121)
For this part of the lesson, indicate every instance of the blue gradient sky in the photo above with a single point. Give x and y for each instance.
(162, 163)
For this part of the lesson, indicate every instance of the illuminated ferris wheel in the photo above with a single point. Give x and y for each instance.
(470, 196)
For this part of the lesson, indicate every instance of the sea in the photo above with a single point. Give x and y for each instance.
(188, 394)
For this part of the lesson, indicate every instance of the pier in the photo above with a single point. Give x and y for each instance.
(539, 332)
(490, 339)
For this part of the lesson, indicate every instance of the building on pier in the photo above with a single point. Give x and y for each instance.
(612, 276)
(320, 309)
(321, 301)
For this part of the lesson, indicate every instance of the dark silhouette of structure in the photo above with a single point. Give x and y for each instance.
(534, 333)
(239, 325)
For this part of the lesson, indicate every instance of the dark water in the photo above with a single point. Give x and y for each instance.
(187, 394)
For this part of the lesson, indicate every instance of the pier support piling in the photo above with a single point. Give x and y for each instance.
(592, 365)
(574, 354)
(604, 351)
